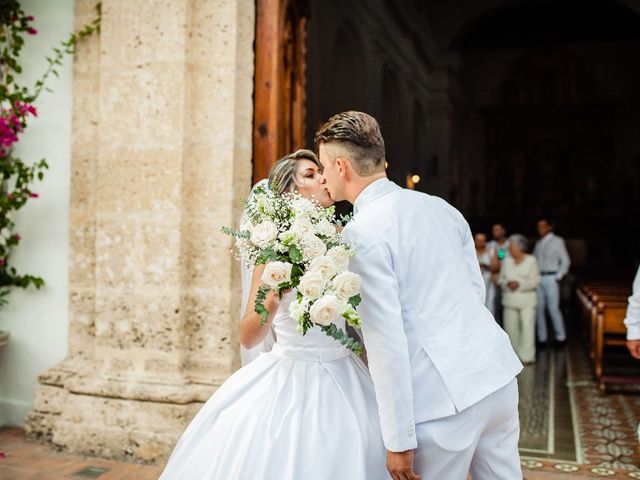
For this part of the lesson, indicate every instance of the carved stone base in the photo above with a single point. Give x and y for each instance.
(106, 422)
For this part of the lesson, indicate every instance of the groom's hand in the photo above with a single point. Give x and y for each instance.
(400, 465)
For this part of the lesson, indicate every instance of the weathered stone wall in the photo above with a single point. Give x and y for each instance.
(161, 158)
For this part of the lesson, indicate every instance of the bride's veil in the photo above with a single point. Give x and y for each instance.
(249, 354)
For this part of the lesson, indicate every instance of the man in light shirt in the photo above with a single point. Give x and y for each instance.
(632, 320)
(553, 260)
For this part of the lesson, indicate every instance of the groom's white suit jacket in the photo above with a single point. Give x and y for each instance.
(433, 347)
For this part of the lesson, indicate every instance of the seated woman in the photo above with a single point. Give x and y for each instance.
(519, 279)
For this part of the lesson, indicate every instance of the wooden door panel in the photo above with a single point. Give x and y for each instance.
(280, 81)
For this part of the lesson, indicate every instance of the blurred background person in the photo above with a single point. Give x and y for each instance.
(500, 245)
(519, 279)
(632, 322)
(632, 319)
(489, 265)
(554, 262)
(500, 242)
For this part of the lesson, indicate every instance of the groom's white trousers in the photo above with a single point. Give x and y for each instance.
(481, 440)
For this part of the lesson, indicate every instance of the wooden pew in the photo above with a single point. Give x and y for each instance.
(589, 295)
(598, 301)
(610, 331)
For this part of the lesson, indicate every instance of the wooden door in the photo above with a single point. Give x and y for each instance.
(280, 81)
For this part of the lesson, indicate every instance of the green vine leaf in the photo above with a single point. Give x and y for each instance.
(295, 254)
(260, 309)
(268, 254)
(343, 338)
(355, 301)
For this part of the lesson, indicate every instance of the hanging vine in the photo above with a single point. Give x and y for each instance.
(17, 109)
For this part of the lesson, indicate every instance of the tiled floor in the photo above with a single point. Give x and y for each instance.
(568, 428)
(28, 460)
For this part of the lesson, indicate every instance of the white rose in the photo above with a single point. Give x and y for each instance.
(324, 227)
(264, 233)
(313, 247)
(340, 256)
(311, 285)
(302, 226)
(325, 310)
(276, 273)
(325, 266)
(347, 284)
(303, 206)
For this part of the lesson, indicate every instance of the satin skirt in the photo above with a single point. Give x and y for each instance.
(291, 414)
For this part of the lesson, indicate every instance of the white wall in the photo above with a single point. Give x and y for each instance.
(38, 320)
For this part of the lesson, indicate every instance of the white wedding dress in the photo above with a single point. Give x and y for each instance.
(306, 410)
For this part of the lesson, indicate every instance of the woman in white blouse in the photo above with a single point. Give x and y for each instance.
(519, 278)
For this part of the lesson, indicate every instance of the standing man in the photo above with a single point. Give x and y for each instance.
(443, 370)
(632, 320)
(553, 260)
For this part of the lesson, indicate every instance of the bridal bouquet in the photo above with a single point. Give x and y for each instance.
(298, 242)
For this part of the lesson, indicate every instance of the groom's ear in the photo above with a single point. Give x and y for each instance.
(344, 167)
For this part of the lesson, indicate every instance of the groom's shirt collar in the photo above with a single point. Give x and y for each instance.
(372, 191)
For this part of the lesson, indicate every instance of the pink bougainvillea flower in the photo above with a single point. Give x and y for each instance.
(2, 262)
(17, 237)
(34, 195)
(31, 18)
(32, 31)
(24, 109)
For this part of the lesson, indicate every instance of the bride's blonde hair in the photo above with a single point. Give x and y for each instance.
(282, 175)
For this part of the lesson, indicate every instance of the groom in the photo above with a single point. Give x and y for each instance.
(444, 372)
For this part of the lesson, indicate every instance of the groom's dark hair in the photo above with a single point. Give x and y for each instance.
(359, 135)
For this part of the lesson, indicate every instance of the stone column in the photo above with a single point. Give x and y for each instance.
(161, 158)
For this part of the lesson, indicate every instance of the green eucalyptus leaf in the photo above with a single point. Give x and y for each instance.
(355, 301)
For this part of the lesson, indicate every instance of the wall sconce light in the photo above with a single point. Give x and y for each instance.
(412, 180)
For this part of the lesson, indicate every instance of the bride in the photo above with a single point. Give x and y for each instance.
(304, 409)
